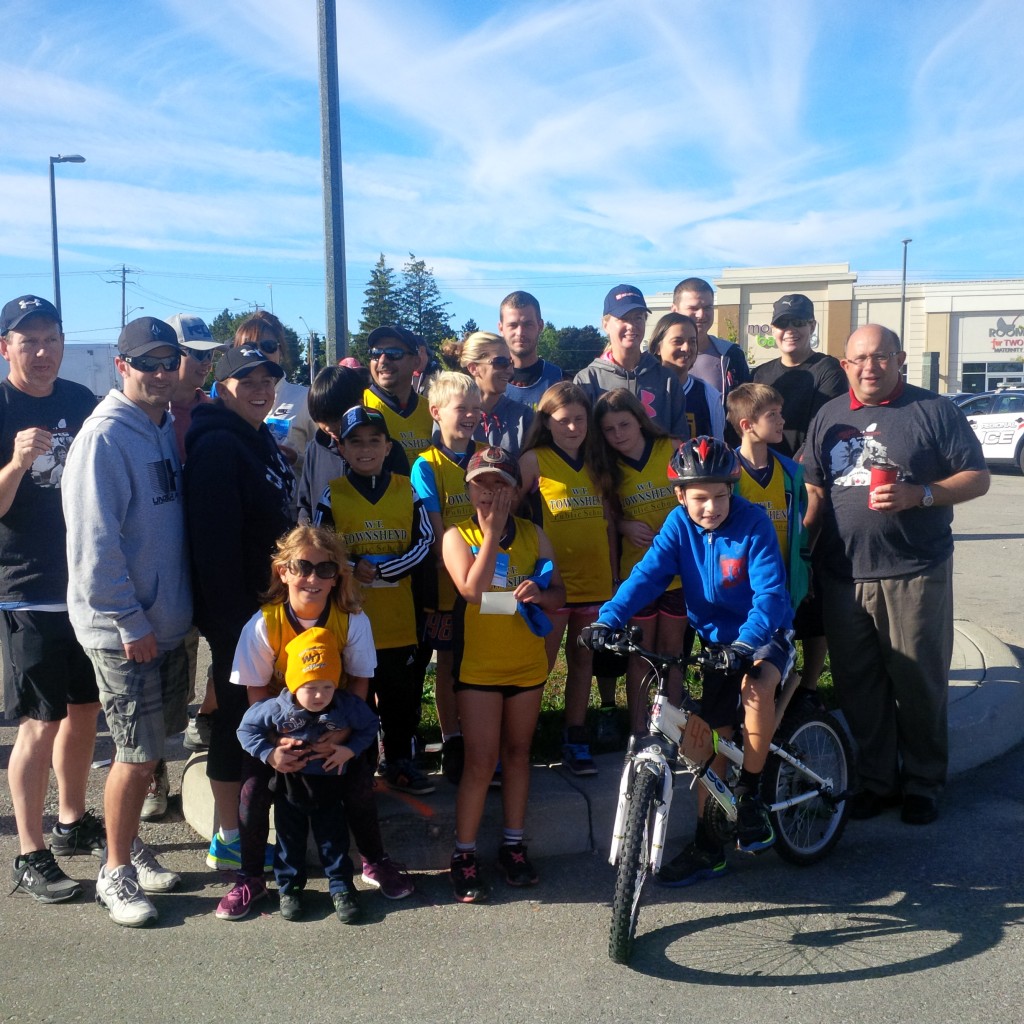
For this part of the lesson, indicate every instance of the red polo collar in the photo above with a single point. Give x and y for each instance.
(856, 403)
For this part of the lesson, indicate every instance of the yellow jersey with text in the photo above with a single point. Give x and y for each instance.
(772, 498)
(413, 432)
(281, 632)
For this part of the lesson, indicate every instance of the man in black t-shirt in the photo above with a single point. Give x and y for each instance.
(806, 380)
(887, 567)
(55, 695)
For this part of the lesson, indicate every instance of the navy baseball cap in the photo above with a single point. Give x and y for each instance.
(360, 416)
(622, 298)
(145, 334)
(22, 308)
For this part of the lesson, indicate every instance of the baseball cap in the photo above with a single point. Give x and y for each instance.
(145, 334)
(494, 460)
(359, 416)
(239, 362)
(192, 331)
(22, 308)
(313, 657)
(622, 298)
(379, 334)
(798, 307)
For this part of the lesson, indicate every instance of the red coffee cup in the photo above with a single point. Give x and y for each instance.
(881, 473)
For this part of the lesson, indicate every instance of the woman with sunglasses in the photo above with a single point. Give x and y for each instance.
(265, 331)
(238, 498)
(503, 421)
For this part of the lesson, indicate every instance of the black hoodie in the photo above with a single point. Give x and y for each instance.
(238, 493)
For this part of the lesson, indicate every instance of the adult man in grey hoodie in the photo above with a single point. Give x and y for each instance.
(129, 596)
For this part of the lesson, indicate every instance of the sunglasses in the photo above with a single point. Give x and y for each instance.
(323, 570)
(797, 325)
(501, 362)
(150, 364)
(394, 354)
(200, 355)
(269, 347)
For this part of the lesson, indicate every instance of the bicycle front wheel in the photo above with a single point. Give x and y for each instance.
(807, 831)
(634, 862)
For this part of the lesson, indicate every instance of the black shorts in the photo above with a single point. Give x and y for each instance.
(50, 668)
(505, 689)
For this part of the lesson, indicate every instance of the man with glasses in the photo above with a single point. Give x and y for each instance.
(129, 596)
(886, 554)
(394, 358)
(52, 687)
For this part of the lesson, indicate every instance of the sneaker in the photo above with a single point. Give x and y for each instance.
(37, 874)
(155, 804)
(197, 733)
(225, 856)
(406, 777)
(119, 891)
(469, 886)
(87, 836)
(607, 731)
(694, 864)
(291, 904)
(153, 877)
(576, 757)
(754, 831)
(347, 906)
(517, 869)
(389, 877)
(239, 901)
(453, 759)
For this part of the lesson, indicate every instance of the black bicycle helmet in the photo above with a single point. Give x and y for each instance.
(704, 460)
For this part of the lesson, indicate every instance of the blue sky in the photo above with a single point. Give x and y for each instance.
(559, 147)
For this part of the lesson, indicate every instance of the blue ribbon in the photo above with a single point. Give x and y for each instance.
(538, 622)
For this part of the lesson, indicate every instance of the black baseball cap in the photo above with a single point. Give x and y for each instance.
(795, 307)
(145, 334)
(400, 334)
(240, 362)
(22, 308)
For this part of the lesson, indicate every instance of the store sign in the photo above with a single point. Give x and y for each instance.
(983, 335)
(1007, 336)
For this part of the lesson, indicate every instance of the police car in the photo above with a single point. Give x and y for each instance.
(997, 417)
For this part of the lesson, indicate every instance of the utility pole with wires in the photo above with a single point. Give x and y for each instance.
(123, 271)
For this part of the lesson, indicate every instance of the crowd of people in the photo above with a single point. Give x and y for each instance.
(329, 542)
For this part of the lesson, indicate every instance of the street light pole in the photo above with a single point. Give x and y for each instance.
(74, 158)
(903, 292)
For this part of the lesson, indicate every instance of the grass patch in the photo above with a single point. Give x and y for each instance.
(547, 746)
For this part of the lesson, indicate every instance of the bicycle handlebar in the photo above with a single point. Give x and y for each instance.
(626, 641)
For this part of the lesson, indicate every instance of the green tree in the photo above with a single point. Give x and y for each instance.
(468, 328)
(578, 347)
(380, 307)
(547, 344)
(420, 306)
(225, 323)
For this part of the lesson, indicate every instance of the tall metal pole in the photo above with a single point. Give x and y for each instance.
(903, 293)
(330, 155)
(58, 159)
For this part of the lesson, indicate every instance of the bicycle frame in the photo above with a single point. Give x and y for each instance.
(666, 725)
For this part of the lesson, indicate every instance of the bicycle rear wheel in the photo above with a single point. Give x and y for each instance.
(634, 862)
(806, 832)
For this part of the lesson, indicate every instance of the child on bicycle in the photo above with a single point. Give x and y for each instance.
(726, 552)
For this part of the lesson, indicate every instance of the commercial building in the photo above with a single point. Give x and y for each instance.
(959, 335)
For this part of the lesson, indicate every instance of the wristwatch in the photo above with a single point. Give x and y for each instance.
(926, 499)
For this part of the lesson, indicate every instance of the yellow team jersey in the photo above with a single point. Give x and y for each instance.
(450, 479)
(574, 520)
(381, 528)
(500, 650)
(646, 497)
(281, 632)
(772, 498)
(414, 431)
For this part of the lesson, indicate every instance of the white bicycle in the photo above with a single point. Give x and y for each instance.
(803, 785)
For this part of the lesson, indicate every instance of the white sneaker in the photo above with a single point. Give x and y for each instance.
(119, 891)
(152, 876)
(155, 804)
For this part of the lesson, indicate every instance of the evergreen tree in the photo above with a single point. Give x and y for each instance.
(578, 347)
(380, 307)
(420, 306)
(468, 328)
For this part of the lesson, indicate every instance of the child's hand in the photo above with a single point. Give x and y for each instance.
(639, 533)
(528, 592)
(337, 759)
(365, 571)
(290, 755)
(492, 519)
